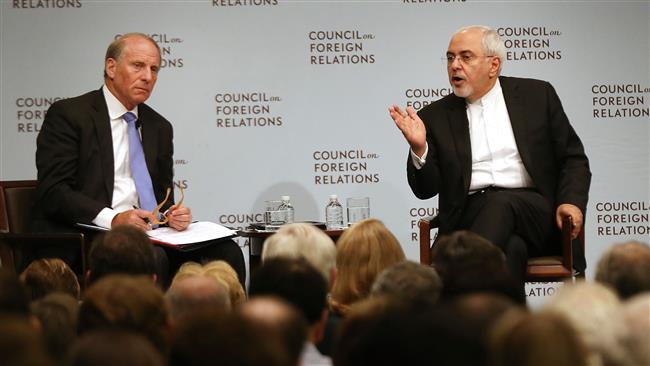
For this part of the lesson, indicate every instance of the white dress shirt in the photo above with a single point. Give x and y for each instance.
(495, 158)
(125, 195)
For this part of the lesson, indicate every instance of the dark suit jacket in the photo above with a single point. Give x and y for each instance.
(74, 158)
(549, 147)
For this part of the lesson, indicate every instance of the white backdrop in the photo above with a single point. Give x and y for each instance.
(290, 97)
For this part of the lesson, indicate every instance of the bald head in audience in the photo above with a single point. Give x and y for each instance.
(194, 293)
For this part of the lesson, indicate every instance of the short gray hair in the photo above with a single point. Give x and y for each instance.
(625, 267)
(492, 43)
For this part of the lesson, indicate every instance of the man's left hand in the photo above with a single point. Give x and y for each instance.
(179, 217)
(567, 209)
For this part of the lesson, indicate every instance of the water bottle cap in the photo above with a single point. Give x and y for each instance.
(333, 196)
(286, 198)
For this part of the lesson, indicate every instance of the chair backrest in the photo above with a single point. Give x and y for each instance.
(16, 200)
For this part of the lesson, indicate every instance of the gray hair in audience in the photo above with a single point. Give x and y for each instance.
(303, 240)
(626, 267)
(595, 312)
(408, 280)
(636, 317)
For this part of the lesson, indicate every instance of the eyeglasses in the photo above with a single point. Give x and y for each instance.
(464, 58)
(157, 215)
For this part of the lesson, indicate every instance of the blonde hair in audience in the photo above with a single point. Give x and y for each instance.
(303, 240)
(219, 270)
(363, 251)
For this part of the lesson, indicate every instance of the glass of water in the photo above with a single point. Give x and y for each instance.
(273, 216)
(358, 209)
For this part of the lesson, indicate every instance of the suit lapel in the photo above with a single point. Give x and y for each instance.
(517, 114)
(459, 125)
(104, 141)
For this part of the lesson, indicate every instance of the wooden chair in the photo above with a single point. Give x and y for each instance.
(16, 200)
(540, 269)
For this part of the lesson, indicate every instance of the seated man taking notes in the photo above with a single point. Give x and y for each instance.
(106, 158)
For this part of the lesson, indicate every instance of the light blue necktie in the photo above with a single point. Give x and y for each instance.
(139, 169)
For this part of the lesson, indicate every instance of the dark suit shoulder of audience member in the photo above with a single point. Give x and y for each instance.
(131, 303)
(13, 295)
(538, 339)
(125, 250)
(20, 343)
(113, 347)
(210, 338)
(58, 314)
(408, 280)
(626, 268)
(44, 276)
(466, 263)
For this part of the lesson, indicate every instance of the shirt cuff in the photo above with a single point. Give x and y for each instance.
(105, 217)
(420, 161)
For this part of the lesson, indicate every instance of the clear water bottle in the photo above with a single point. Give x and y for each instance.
(287, 208)
(334, 214)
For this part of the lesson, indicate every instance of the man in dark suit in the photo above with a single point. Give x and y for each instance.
(500, 152)
(83, 155)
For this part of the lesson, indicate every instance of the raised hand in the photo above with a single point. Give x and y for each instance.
(411, 126)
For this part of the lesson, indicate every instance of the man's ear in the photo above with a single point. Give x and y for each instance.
(495, 63)
(109, 67)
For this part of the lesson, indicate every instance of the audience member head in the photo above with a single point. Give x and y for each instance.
(44, 276)
(126, 302)
(408, 280)
(218, 270)
(626, 268)
(382, 331)
(57, 314)
(226, 339)
(636, 318)
(114, 347)
(594, 311)
(20, 342)
(303, 240)
(191, 294)
(125, 250)
(278, 319)
(540, 339)
(13, 296)
(466, 263)
(363, 251)
(295, 281)
(474, 315)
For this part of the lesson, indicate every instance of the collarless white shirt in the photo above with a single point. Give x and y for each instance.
(125, 195)
(495, 157)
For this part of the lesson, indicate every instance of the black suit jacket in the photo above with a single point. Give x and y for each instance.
(74, 158)
(549, 147)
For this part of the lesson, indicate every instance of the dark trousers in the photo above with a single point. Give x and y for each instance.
(224, 249)
(519, 221)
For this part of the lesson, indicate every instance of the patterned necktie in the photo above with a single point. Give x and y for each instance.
(139, 169)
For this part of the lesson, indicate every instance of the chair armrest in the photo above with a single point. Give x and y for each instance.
(426, 224)
(567, 243)
(10, 242)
